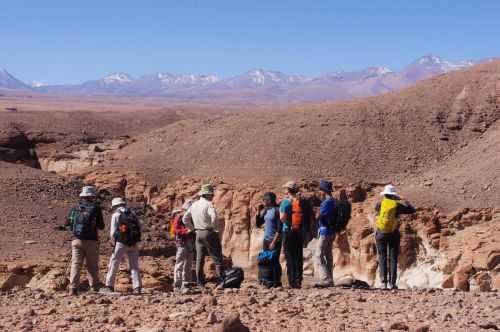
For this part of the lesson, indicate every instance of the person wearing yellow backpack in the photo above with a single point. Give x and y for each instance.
(387, 234)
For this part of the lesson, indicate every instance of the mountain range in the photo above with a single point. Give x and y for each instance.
(258, 85)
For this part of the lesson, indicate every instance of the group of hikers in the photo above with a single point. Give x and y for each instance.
(195, 228)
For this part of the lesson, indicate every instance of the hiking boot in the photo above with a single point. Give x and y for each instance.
(106, 290)
(137, 291)
(323, 284)
(73, 292)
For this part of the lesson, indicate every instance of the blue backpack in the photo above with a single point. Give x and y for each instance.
(267, 257)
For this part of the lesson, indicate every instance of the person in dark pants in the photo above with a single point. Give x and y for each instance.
(387, 234)
(294, 214)
(268, 215)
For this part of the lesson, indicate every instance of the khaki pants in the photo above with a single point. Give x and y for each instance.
(88, 251)
(208, 241)
(324, 258)
(133, 261)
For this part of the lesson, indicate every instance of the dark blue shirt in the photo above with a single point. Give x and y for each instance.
(326, 217)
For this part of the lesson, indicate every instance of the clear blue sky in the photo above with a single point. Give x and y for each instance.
(71, 41)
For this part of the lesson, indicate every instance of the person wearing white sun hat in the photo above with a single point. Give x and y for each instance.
(125, 232)
(387, 235)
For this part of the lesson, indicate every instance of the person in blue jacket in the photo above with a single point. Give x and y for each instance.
(326, 221)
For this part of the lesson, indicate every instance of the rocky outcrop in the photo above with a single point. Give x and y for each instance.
(434, 247)
(77, 162)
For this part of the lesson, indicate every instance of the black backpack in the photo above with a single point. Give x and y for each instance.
(82, 220)
(232, 278)
(342, 215)
(128, 230)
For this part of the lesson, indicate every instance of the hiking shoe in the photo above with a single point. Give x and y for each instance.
(137, 291)
(323, 284)
(106, 290)
(73, 292)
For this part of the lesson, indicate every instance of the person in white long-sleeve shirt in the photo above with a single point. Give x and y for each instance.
(203, 216)
(125, 231)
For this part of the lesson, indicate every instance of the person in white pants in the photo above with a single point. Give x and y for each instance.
(123, 247)
(184, 240)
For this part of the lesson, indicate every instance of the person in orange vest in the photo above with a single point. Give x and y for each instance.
(387, 234)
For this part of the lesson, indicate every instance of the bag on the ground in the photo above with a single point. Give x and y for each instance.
(267, 257)
(342, 215)
(268, 275)
(232, 278)
(128, 231)
(82, 220)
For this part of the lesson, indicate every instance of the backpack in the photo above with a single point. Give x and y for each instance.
(268, 275)
(232, 278)
(300, 214)
(82, 220)
(342, 215)
(387, 220)
(128, 230)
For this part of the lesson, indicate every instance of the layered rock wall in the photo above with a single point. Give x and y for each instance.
(456, 250)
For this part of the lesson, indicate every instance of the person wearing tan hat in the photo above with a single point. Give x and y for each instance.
(295, 214)
(387, 235)
(203, 216)
(84, 219)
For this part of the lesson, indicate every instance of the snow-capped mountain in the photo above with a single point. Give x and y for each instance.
(257, 85)
(443, 65)
(117, 78)
(342, 76)
(7, 81)
(174, 81)
(263, 78)
(431, 65)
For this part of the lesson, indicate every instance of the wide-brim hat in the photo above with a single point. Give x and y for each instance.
(325, 186)
(88, 191)
(206, 189)
(389, 190)
(117, 201)
(291, 185)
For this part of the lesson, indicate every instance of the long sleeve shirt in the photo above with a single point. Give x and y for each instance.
(181, 231)
(115, 218)
(97, 218)
(326, 217)
(402, 208)
(202, 214)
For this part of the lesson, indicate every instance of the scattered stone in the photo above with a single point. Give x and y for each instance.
(231, 323)
(399, 326)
